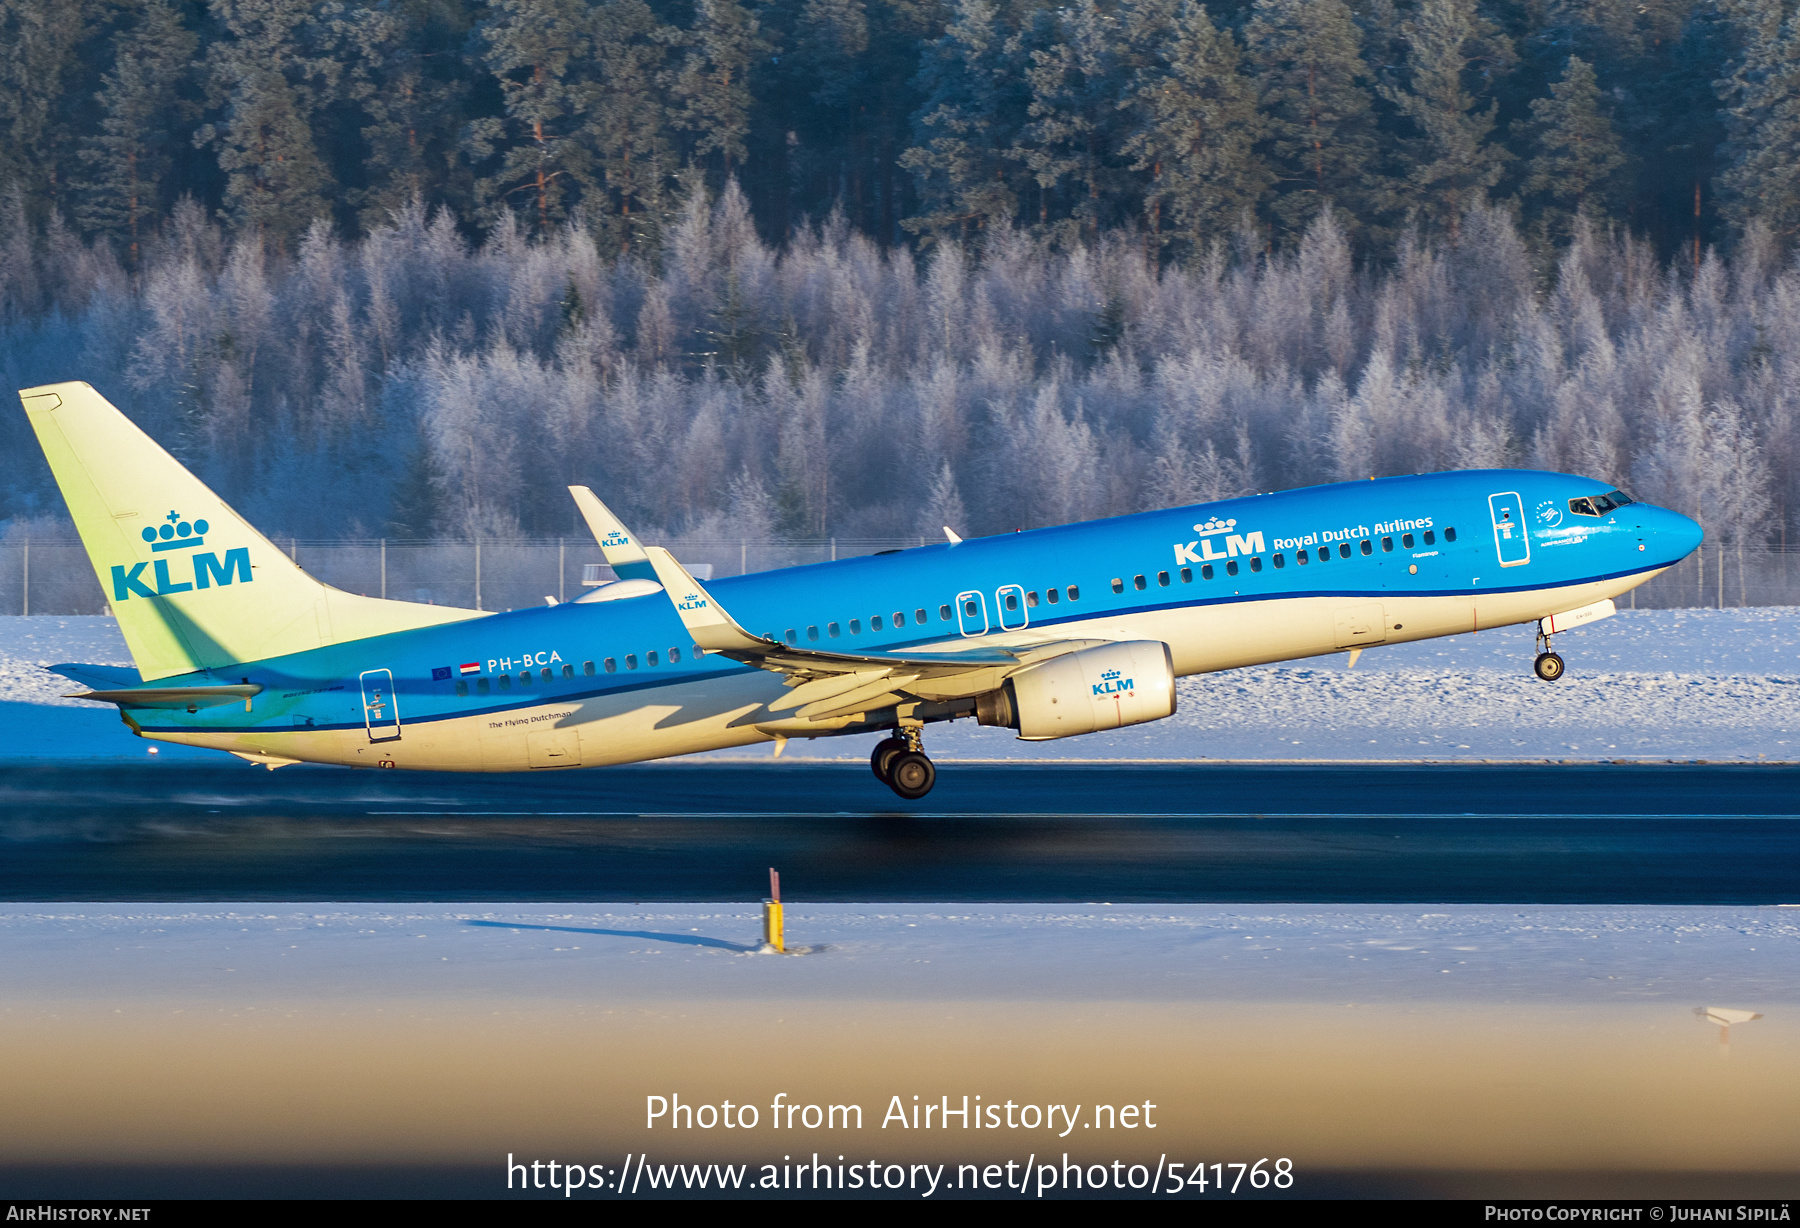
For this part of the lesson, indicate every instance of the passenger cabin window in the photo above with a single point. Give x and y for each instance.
(1031, 600)
(1231, 568)
(612, 666)
(587, 668)
(569, 670)
(631, 660)
(1206, 572)
(481, 686)
(1387, 545)
(1450, 535)
(1279, 562)
(1162, 579)
(812, 633)
(1011, 600)
(944, 612)
(525, 678)
(546, 674)
(1300, 556)
(875, 623)
(1344, 550)
(856, 626)
(1051, 595)
(651, 660)
(1406, 541)
(1139, 583)
(506, 682)
(1430, 538)
(792, 636)
(832, 630)
(1255, 563)
(919, 618)
(674, 655)
(462, 688)
(1118, 585)
(1368, 547)
(1187, 575)
(899, 618)
(1074, 592)
(971, 607)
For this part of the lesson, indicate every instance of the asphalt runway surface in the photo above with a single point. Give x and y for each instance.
(1664, 834)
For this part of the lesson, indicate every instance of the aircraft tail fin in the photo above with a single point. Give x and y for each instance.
(193, 585)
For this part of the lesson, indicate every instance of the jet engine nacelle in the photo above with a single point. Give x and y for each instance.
(1084, 692)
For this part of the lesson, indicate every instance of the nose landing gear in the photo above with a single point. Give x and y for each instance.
(900, 763)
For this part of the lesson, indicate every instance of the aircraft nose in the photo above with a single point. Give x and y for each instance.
(1676, 535)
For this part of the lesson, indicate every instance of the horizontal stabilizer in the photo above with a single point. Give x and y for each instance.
(623, 554)
(188, 697)
(101, 677)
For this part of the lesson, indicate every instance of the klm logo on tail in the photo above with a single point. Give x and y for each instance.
(1112, 684)
(178, 534)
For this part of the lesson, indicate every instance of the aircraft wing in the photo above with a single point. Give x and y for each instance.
(829, 684)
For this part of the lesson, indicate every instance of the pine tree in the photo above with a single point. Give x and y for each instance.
(713, 83)
(407, 76)
(128, 161)
(965, 134)
(536, 49)
(1319, 127)
(626, 124)
(1197, 122)
(1762, 96)
(1074, 141)
(268, 90)
(1577, 151)
(1450, 162)
(39, 43)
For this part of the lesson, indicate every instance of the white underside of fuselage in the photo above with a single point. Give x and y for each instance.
(715, 712)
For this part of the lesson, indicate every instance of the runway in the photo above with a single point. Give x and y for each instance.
(1545, 834)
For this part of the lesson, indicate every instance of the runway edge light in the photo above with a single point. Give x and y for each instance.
(772, 927)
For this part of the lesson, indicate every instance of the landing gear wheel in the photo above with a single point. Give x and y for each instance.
(882, 760)
(1548, 666)
(911, 775)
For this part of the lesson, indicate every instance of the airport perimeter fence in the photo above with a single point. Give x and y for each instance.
(54, 576)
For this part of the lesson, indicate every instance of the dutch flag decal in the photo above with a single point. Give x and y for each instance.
(473, 667)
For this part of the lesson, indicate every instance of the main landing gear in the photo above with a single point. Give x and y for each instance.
(899, 762)
(1548, 665)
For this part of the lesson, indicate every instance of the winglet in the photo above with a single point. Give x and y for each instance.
(623, 554)
(705, 619)
(951, 537)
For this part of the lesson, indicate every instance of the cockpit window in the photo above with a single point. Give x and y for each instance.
(1619, 498)
(1598, 505)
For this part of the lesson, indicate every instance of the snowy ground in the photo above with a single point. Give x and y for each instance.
(1454, 1038)
(1664, 684)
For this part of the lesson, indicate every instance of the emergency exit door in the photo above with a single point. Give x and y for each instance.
(381, 715)
(1510, 540)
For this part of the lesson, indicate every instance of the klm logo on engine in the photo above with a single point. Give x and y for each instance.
(205, 567)
(1111, 683)
(1212, 532)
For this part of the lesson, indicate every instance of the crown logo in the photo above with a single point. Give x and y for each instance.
(176, 534)
(1215, 525)
(1109, 675)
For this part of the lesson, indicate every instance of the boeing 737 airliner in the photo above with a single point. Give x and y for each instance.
(1051, 633)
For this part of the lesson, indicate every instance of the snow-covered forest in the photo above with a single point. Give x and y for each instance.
(410, 384)
(808, 269)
